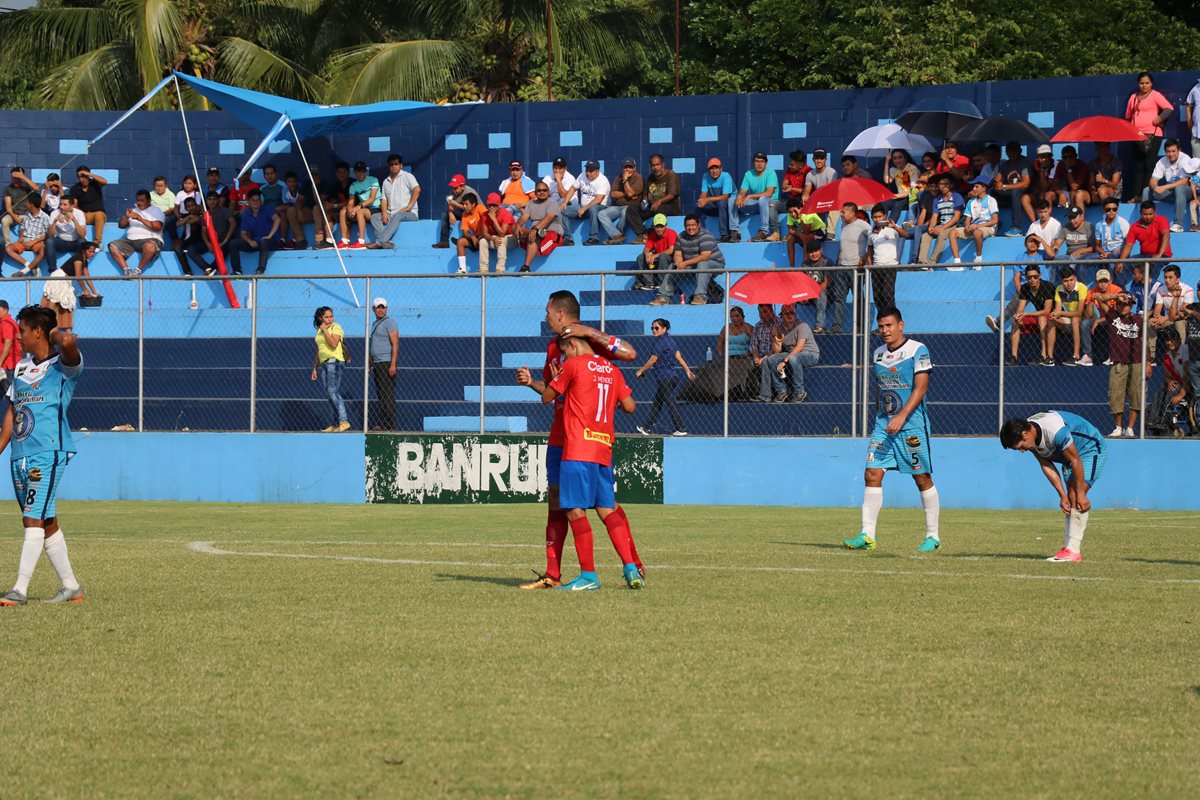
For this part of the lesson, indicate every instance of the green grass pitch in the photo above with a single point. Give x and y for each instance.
(383, 651)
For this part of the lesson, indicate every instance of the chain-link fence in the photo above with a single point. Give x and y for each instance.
(172, 354)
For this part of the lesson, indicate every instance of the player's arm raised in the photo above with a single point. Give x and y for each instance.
(68, 346)
(618, 349)
(920, 387)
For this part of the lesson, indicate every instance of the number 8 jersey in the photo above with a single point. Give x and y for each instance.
(40, 393)
(895, 372)
(591, 386)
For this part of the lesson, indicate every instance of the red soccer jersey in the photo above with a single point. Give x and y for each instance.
(591, 387)
(554, 356)
(1150, 236)
(237, 197)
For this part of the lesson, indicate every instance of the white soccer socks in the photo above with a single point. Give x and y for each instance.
(30, 551)
(933, 507)
(56, 551)
(872, 502)
(1075, 525)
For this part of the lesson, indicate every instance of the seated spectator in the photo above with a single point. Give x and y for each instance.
(14, 201)
(716, 190)
(1072, 313)
(662, 196)
(239, 195)
(658, 254)
(709, 386)
(662, 364)
(294, 211)
(901, 176)
(363, 202)
(1038, 296)
(1194, 203)
(627, 190)
(1106, 174)
(850, 168)
(986, 164)
(143, 225)
(563, 186)
(738, 332)
(1044, 167)
(454, 208)
(162, 198)
(334, 198)
(189, 187)
(1010, 186)
(1125, 343)
(957, 166)
(1171, 302)
(1032, 254)
(52, 193)
(471, 230)
(793, 349)
(695, 248)
(981, 219)
(259, 229)
(792, 185)
(1076, 240)
(90, 200)
(544, 230)
(35, 225)
(499, 225)
(1168, 410)
(76, 267)
(947, 214)
(68, 230)
(212, 179)
(271, 188)
(1045, 227)
(1072, 180)
(195, 238)
(591, 199)
(1110, 235)
(1171, 179)
(883, 257)
(820, 174)
(757, 191)
(853, 240)
(801, 227)
(762, 337)
(1152, 233)
(922, 211)
(190, 236)
(517, 189)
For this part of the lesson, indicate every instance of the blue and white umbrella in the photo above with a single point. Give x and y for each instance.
(881, 140)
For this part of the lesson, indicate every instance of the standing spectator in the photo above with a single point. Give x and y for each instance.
(1045, 227)
(90, 200)
(454, 208)
(817, 265)
(626, 194)
(362, 203)
(1011, 186)
(1143, 297)
(758, 189)
(802, 228)
(1071, 313)
(591, 199)
(15, 193)
(716, 191)
(792, 185)
(517, 189)
(385, 347)
(10, 347)
(225, 226)
(1105, 170)
(499, 225)
(1193, 123)
(397, 203)
(658, 254)
(957, 166)
(662, 196)
(661, 364)
(1101, 298)
(853, 241)
(1037, 295)
(52, 193)
(213, 180)
(563, 187)
(1172, 178)
(1152, 233)
(545, 229)
(1125, 343)
(900, 175)
(1043, 175)
(1075, 240)
(68, 230)
(982, 219)
(1019, 267)
(1072, 179)
(1171, 302)
(1110, 233)
(695, 249)
(58, 295)
(793, 349)
(821, 173)
(259, 233)
(144, 224)
(883, 257)
(1147, 109)
(471, 230)
(329, 364)
(948, 210)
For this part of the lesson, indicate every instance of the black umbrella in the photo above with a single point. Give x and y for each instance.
(939, 117)
(1001, 129)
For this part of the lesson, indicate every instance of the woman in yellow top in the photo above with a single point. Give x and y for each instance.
(329, 363)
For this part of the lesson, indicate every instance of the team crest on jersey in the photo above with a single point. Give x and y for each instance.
(22, 423)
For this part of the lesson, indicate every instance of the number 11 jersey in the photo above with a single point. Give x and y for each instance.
(591, 387)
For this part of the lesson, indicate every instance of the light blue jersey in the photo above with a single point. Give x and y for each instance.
(895, 376)
(40, 394)
(1058, 430)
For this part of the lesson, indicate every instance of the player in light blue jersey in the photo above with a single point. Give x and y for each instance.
(35, 424)
(900, 438)
(1056, 437)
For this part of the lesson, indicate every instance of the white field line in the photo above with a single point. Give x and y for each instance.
(210, 548)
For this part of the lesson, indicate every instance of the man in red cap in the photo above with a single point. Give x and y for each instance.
(454, 209)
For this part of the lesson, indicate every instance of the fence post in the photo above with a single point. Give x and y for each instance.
(370, 311)
(1145, 346)
(603, 300)
(725, 406)
(1000, 348)
(853, 351)
(141, 407)
(482, 346)
(254, 356)
(865, 352)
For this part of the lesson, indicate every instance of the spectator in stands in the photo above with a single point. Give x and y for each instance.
(225, 225)
(817, 265)
(901, 176)
(658, 254)
(662, 362)
(1193, 123)
(1044, 167)
(1072, 179)
(1142, 298)
(758, 189)
(662, 194)
(385, 347)
(162, 198)
(213, 180)
(68, 230)
(591, 199)
(716, 193)
(1020, 265)
(1010, 185)
(1152, 233)
(89, 199)
(801, 228)
(792, 185)
(1169, 406)
(695, 248)
(454, 208)
(499, 225)
(1110, 234)
(1072, 313)
(1171, 301)
(850, 168)
(1147, 109)
(1125, 343)
(762, 337)
(853, 240)
(821, 173)
(329, 365)
(1194, 203)
(517, 189)
(793, 349)
(52, 193)
(190, 235)
(58, 295)
(948, 211)
(1075, 240)
(986, 163)
(10, 347)
(397, 202)
(627, 192)
(981, 219)
(739, 332)
(35, 226)
(364, 201)
(883, 257)
(1038, 296)
(293, 211)
(1105, 170)
(1101, 297)
(544, 230)
(957, 166)
(471, 230)
(239, 195)
(563, 187)
(1045, 227)
(14, 201)
(188, 187)
(335, 197)
(258, 233)
(144, 224)
(1172, 179)
(1192, 340)
(922, 213)
(271, 188)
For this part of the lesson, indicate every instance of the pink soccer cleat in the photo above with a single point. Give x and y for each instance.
(1065, 556)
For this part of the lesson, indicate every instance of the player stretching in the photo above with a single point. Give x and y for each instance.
(35, 422)
(900, 439)
(591, 388)
(562, 316)
(1056, 437)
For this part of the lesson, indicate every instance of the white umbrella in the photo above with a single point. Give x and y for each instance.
(883, 139)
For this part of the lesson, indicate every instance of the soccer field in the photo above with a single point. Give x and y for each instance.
(383, 651)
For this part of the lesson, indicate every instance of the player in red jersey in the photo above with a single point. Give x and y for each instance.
(591, 388)
(562, 316)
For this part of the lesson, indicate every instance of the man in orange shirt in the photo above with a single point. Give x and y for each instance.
(517, 189)
(471, 223)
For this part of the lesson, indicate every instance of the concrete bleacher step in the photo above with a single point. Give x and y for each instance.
(616, 297)
(470, 424)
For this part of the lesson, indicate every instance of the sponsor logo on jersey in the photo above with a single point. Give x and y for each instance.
(913, 441)
(35, 474)
(590, 435)
(603, 367)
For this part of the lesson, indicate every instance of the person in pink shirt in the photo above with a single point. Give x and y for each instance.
(1147, 109)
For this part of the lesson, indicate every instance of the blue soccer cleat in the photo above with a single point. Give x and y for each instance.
(586, 582)
(860, 542)
(633, 577)
(930, 545)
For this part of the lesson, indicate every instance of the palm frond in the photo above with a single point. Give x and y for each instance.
(53, 35)
(155, 30)
(91, 82)
(417, 70)
(243, 63)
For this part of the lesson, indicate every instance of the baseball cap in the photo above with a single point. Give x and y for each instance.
(714, 162)
(493, 199)
(360, 165)
(515, 165)
(628, 162)
(759, 155)
(591, 165)
(457, 181)
(1103, 275)
(379, 301)
(660, 219)
(1074, 211)
(559, 162)
(819, 153)
(214, 171)
(1045, 150)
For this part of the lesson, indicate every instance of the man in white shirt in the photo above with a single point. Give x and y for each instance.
(1191, 106)
(590, 199)
(52, 193)
(1045, 227)
(883, 256)
(144, 224)
(1170, 179)
(563, 188)
(398, 204)
(1171, 300)
(982, 219)
(68, 227)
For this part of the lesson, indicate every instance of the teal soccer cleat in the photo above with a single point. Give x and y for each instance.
(930, 545)
(633, 577)
(586, 582)
(860, 542)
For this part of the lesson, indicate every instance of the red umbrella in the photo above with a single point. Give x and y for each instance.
(835, 194)
(775, 287)
(1098, 129)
